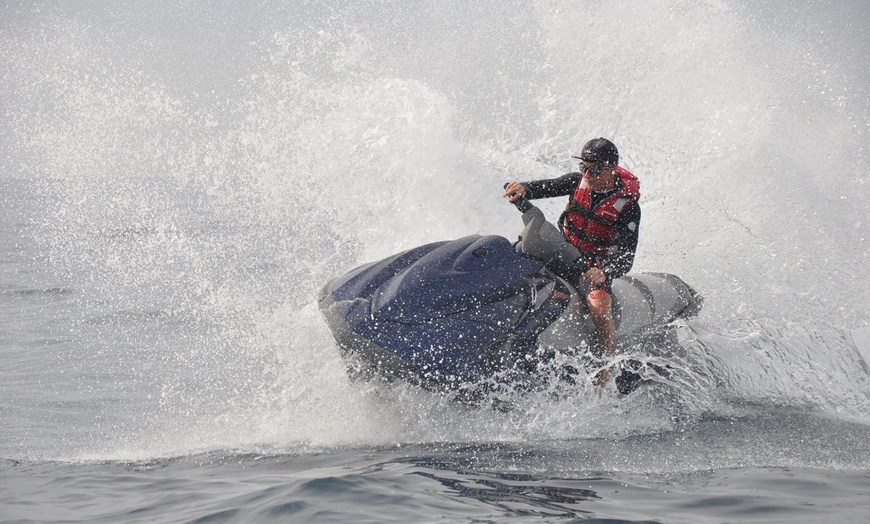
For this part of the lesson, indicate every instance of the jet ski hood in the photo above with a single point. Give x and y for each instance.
(467, 273)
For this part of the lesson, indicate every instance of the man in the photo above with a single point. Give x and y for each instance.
(602, 220)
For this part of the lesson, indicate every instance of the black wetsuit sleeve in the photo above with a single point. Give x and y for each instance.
(621, 254)
(552, 187)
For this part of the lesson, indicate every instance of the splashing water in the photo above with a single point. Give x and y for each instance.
(196, 195)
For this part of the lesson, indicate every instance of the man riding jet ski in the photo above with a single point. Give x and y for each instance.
(455, 315)
(602, 220)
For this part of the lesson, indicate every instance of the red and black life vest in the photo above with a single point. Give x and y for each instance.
(593, 231)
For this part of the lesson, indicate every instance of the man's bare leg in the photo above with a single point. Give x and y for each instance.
(600, 302)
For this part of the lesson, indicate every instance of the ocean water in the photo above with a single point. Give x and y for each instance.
(178, 180)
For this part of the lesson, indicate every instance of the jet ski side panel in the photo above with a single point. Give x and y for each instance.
(652, 299)
(429, 354)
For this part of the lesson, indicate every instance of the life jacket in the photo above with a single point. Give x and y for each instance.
(593, 231)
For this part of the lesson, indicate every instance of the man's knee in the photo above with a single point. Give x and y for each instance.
(599, 302)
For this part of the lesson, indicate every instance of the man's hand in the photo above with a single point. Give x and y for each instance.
(595, 276)
(514, 191)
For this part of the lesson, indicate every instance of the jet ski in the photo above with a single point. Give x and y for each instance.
(459, 315)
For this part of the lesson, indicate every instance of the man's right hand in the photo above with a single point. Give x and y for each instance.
(514, 191)
(595, 276)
